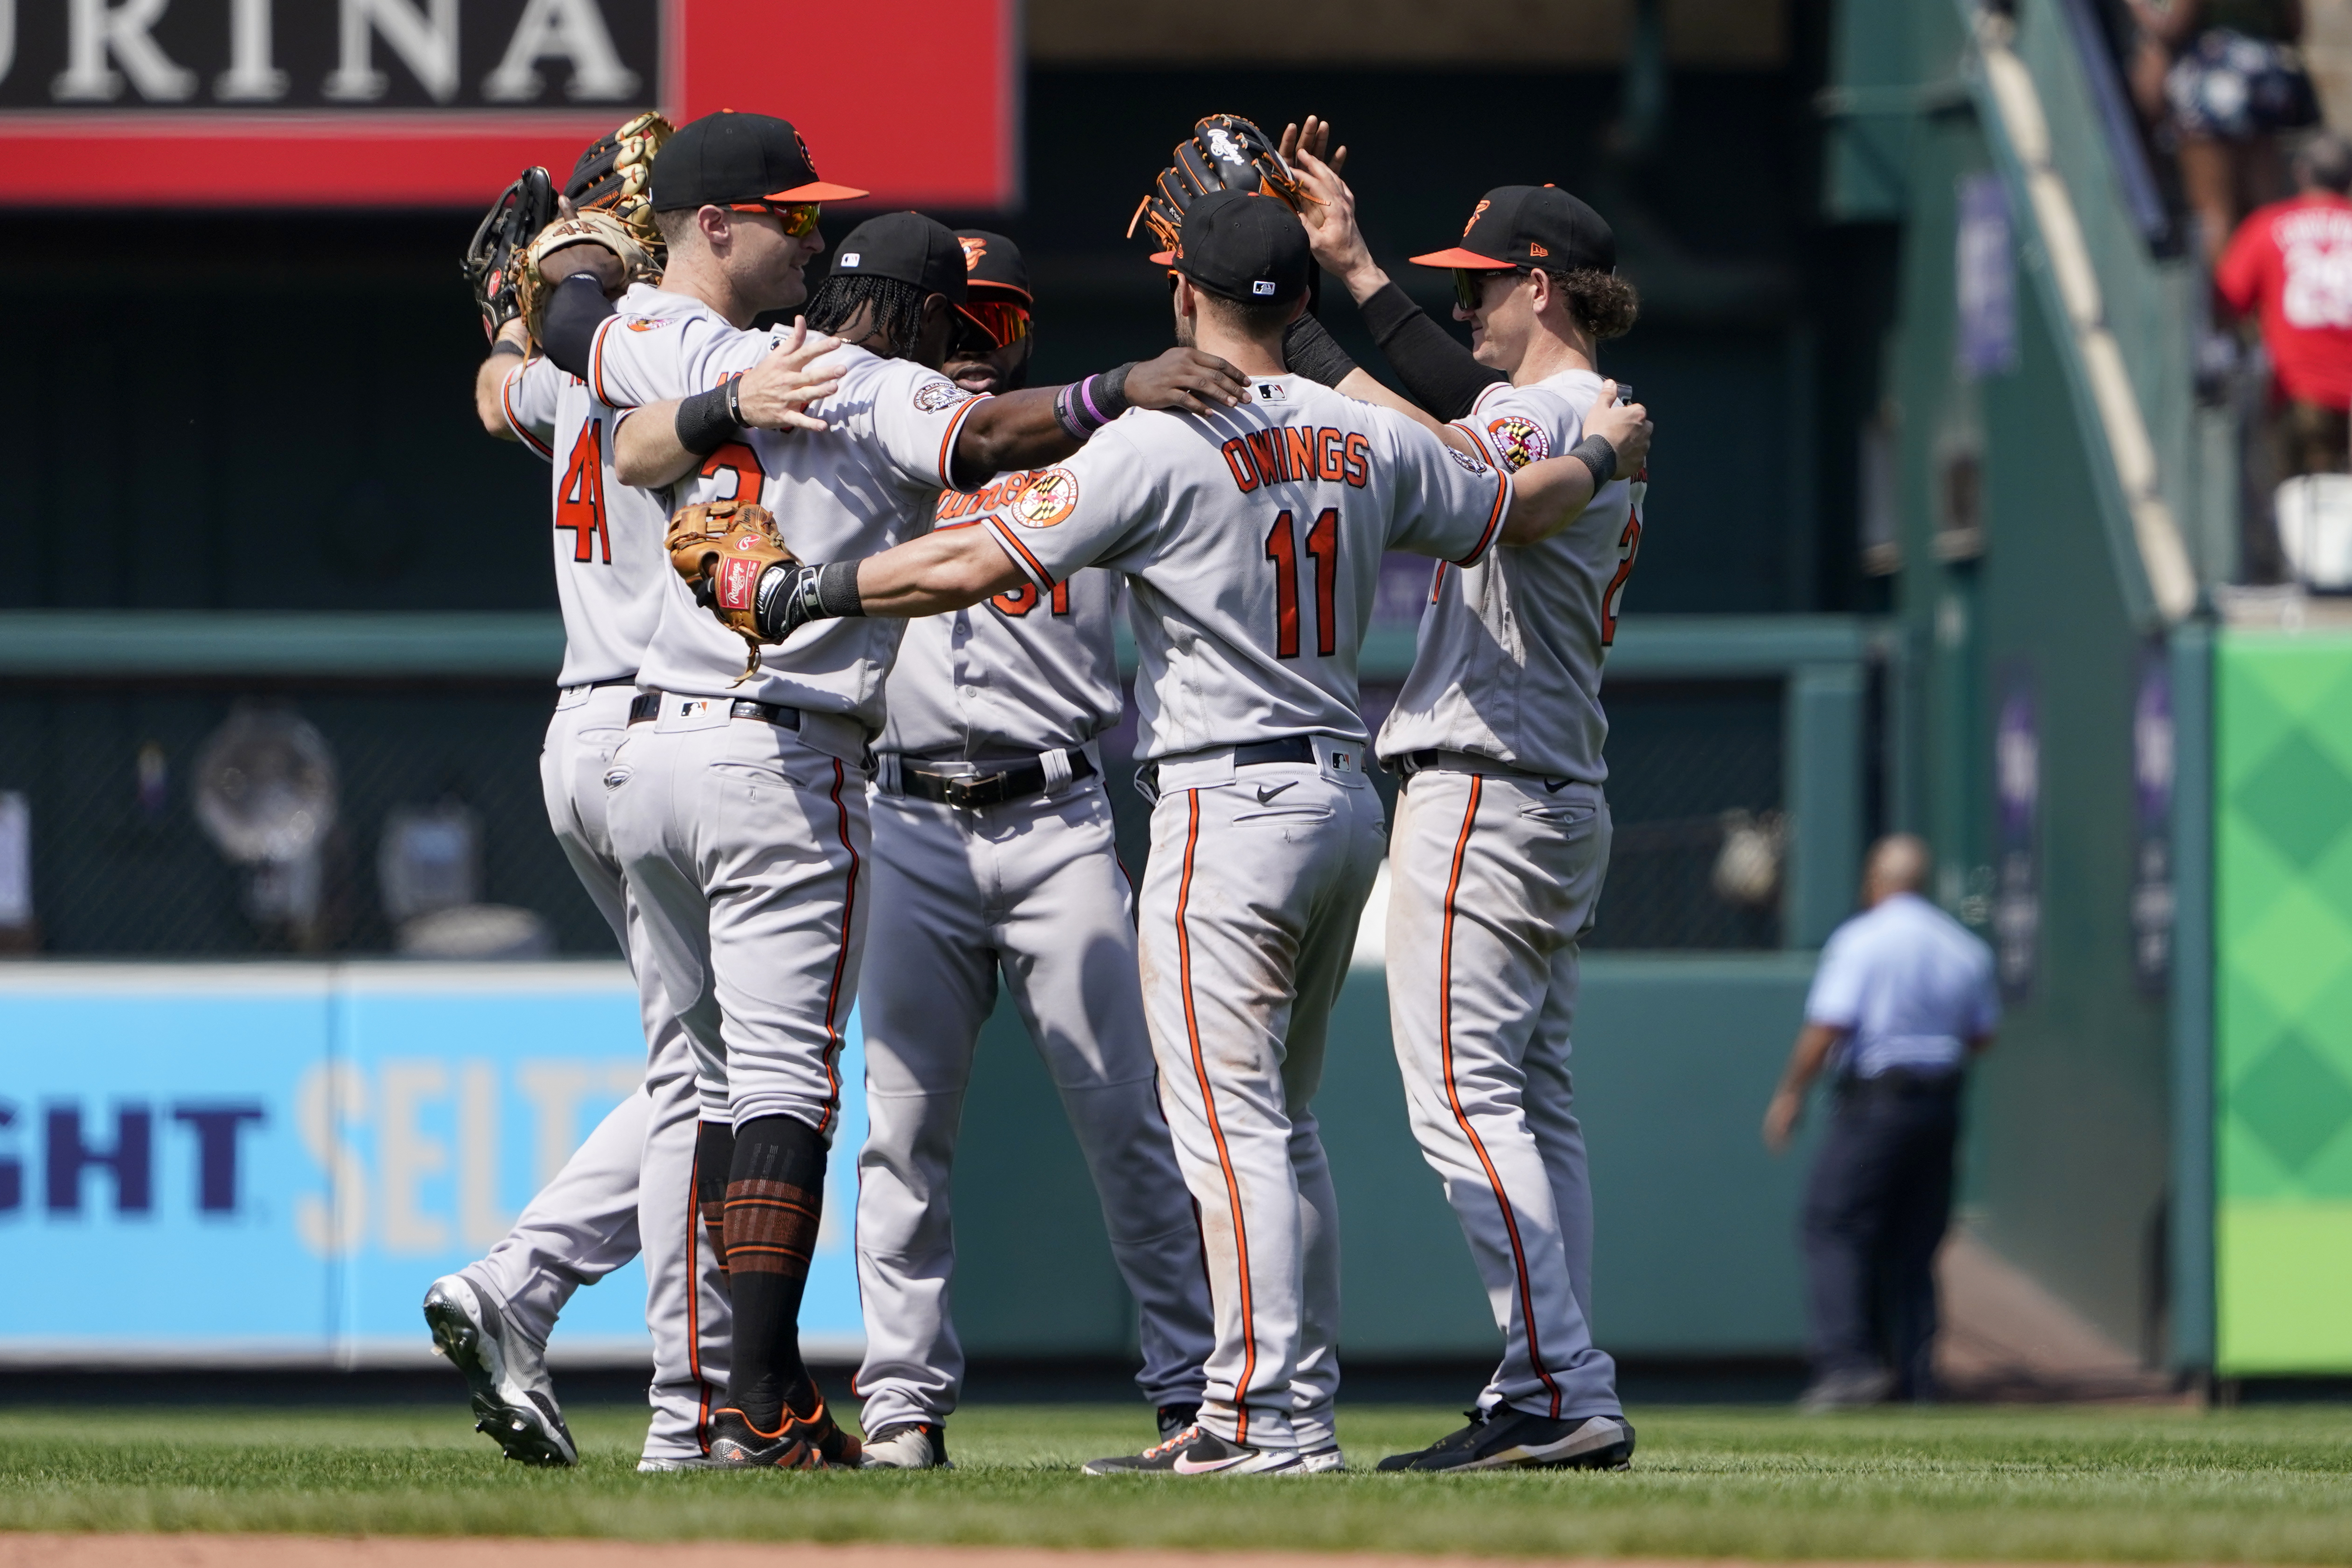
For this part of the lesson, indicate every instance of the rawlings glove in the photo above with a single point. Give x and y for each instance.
(637, 263)
(727, 550)
(613, 173)
(1224, 153)
(493, 262)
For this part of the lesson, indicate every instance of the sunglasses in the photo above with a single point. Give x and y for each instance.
(1470, 285)
(799, 218)
(1002, 322)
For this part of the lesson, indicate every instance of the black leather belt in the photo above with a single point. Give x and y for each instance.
(648, 707)
(965, 791)
(615, 680)
(1296, 749)
(1438, 761)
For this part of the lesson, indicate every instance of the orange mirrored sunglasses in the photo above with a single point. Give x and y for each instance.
(799, 218)
(1004, 321)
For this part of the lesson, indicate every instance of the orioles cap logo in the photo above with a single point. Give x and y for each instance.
(1483, 205)
(974, 247)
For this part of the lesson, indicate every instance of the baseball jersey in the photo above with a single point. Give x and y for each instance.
(1250, 540)
(609, 562)
(1030, 669)
(865, 484)
(1507, 663)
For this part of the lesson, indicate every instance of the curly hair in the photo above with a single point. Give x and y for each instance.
(897, 310)
(1602, 304)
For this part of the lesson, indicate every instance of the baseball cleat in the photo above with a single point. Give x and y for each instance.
(811, 1442)
(1174, 1418)
(907, 1446)
(507, 1374)
(1197, 1451)
(1507, 1439)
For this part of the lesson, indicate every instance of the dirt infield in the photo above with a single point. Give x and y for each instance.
(477, 1551)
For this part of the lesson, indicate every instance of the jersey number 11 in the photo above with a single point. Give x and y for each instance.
(1282, 549)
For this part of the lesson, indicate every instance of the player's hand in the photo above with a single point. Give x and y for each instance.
(773, 393)
(1624, 426)
(1314, 136)
(1189, 380)
(1780, 1119)
(587, 255)
(1330, 215)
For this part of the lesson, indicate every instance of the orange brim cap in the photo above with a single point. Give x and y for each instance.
(1468, 261)
(818, 191)
(1163, 258)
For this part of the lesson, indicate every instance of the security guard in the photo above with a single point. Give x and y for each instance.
(1904, 996)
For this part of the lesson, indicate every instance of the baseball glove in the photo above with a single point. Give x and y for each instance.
(723, 549)
(493, 258)
(637, 263)
(1224, 153)
(613, 173)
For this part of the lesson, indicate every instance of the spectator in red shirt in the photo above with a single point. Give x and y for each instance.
(2293, 262)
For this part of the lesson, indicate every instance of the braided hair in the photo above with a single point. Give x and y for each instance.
(897, 310)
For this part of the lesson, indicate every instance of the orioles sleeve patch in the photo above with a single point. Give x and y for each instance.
(1047, 500)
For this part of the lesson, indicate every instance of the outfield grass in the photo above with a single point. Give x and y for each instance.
(2140, 1484)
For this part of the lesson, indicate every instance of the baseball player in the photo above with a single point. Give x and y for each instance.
(737, 801)
(1502, 832)
(1251, 536)
(492, 1319)
(993, 849)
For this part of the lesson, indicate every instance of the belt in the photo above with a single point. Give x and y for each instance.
(648, 707)
(1294, 749)
(1438, 761)
(613, 681)
(965, 791)
(1903, 1082)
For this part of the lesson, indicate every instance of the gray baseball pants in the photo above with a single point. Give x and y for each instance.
(1259, 877)
(1493, 877)
(1032, 886)
(586, 1222)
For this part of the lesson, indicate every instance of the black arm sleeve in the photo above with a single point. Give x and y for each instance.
(1435, 367)
(574, 312)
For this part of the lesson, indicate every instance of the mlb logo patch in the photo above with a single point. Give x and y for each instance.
(1261, 286)
(850, 259)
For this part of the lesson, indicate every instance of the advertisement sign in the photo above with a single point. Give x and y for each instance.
(408, 102)
(2017, 802)
(2152, 770)
(272, 1162)
(2282, 1003)
(1985, 274)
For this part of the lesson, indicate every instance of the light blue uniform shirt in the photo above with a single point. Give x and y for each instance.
(1910, 984)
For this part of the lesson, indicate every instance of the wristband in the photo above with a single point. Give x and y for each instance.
(789, 598)
(1595, 453)
(709, 420)
(508, 346)
(1311, 351)
(1084, 406)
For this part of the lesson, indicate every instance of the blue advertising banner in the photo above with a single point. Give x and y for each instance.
(300, 1148)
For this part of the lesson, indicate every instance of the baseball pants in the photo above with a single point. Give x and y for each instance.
(585, 1222)
(1259, 877)
(1493, 877)
(745, 847)
(1033, 886)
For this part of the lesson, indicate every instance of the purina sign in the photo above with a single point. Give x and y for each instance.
(408, 102)
(156, 56)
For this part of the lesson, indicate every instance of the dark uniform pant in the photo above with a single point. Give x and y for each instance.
(1876, 1211)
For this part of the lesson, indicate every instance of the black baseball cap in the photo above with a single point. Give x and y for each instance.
(725, 158)
(907, 247)
(1242, 246)
(994, 262)
(1530, 226)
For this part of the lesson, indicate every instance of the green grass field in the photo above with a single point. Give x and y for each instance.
(2267, 1485)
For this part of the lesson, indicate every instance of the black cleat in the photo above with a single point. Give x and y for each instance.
(1505, 1438)
(1174, 1418)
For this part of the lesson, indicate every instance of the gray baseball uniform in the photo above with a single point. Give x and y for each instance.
(631, 1182)
(1501, 845)
(1252, 540)
(1031, 885)
(739, 813)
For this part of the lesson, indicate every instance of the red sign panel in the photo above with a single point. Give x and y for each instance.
(432, 102)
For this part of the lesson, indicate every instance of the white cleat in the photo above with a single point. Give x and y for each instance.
(908, 1446)
(1197, 1451)
(513, 1395)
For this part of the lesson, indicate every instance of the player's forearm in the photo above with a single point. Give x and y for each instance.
(490, 380)
(940, 572)
(1438, 371)
(1013, 430)
(1814, 1043)
(1547, 497)
(647, 452)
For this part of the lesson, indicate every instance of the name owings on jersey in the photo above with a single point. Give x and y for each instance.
(1294, 454)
